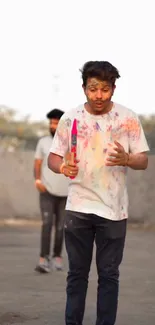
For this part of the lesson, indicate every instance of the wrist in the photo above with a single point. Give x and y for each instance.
(37, 180)
(62, 168)
(127, 159)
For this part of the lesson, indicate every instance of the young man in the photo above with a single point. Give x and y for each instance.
(52, 195)
(107, 140)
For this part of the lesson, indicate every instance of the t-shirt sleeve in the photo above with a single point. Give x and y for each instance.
(60, 144)
(39, 150)
(137, 139)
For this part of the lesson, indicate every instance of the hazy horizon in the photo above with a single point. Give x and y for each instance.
(45, 43)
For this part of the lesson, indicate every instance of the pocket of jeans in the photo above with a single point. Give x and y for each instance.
(74, 222)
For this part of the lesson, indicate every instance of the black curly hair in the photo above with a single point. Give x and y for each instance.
(103, 70)
(55, 114)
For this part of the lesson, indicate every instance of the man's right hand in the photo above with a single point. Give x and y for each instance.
(40, 187)
(70, 168)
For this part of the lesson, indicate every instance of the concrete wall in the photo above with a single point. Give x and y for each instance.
(19, 199)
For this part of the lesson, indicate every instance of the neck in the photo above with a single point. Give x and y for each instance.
(105, 110)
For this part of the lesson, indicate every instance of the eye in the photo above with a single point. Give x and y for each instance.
(106, 90)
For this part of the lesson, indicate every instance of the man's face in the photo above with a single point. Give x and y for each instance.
(99, 94)
(53, 123)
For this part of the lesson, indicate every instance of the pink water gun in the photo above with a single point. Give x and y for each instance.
(74, 143)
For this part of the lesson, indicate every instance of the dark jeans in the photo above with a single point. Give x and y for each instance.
(52, 209)
(81, 230)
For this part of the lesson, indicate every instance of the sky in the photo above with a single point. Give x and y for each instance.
(44, 43)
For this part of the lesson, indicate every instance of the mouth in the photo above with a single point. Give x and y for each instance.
(99, 104)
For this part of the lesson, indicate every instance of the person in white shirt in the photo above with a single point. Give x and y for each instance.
(105, 139)
(53, 191)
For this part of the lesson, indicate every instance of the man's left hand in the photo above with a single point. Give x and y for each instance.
(120, 158)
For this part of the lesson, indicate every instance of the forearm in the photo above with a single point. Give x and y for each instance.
(138, 161)
(37, 169)
(37, 174)
(54, 162)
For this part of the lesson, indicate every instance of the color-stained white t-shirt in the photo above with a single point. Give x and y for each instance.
(99, 189)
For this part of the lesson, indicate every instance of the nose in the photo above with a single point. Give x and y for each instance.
(99, 94)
